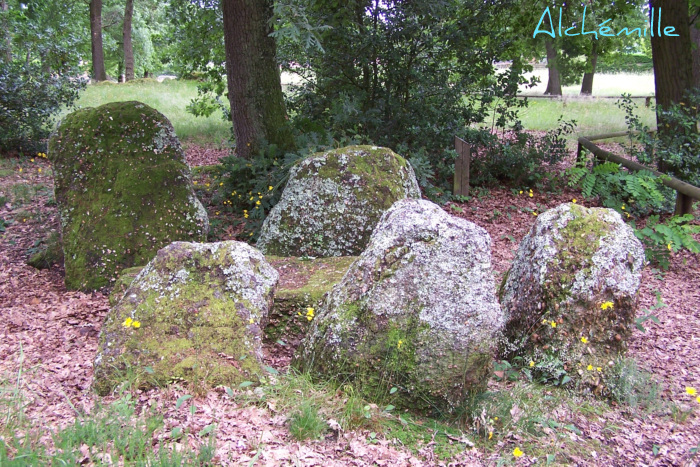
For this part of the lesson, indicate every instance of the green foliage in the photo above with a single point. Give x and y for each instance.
(306, 423)
(624, 63)
(674, 234)
(516, 156)
(675, 147)
(628, 384)
(252, 187)
(29, 99)
(629, 193)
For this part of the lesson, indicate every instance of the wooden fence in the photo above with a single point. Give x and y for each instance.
(686, 192)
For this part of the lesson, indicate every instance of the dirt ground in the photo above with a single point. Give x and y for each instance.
(48, 341)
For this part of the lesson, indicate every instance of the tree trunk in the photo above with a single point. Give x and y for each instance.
(554, 81)
(7, 38)
(672, 57)
(128, 46)
(254, 87)
(695, 43)
(587, 83)
(98, 60)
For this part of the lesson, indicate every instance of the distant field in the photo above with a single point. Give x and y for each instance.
(170, 98)
(592, 115)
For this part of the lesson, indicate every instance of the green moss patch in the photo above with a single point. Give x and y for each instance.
(196, 313)
(123, 189)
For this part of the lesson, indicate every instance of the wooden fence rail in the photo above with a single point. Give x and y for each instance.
(686, 192)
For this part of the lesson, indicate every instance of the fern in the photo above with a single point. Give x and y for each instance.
(642, 192)
(675, 234)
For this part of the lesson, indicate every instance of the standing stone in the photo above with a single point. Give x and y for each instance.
(333, 201)
(123, 189)
(417, 311)
(196, 312)
(570, 296)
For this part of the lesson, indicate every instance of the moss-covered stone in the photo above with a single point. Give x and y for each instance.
(123, 189)
(303, 284)
(570, 296)
(416, 311)
(200, 310)
(333, 201)
(49, 253)
(122, 284)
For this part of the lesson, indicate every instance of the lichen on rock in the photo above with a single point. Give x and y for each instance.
(417, 311)
(200, 308)
(333, 201)
(123, 190)
(570, 295)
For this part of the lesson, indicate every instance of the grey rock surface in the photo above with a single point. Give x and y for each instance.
(416, 311)
(333, 200)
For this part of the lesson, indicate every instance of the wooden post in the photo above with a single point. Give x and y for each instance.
(462, 163)
(684, 204)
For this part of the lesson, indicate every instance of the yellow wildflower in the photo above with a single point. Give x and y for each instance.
(521, 192)
(127, 322)
(31, 160)
(136, 324)
(517, 452)
(691, 390)
(490, 434)
(573, 200)
(398, 346)
(532, 363)
(221, 184)
(599, 369)
(584, 340)
(257, 202)
(195, 182)
(606, 305)
(309, 313)
(251, 321)
(623, 207)
(553, 324)
(39, 169)
(589, 368)
(698, 399)
(269, 188)
(669, 247)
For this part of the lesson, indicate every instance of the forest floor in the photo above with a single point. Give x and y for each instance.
(48, 341)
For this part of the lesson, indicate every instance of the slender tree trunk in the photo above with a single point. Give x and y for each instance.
(554, 81)
(7, 38)
(587, 83)
(128, 46)
(254, 87)
(98, 60)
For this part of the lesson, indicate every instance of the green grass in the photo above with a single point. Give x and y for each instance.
(171, 98)
(116, 430)
(593, 116)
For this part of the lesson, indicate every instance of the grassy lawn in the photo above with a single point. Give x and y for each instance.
(170, 98)
(593, 116)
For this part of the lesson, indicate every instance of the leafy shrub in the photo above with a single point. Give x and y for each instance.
(675, 150)
(29, 98)
(629, 193)
(675, 234)
(516, 156)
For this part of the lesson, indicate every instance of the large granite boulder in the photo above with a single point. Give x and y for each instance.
(333, 201)
(570, 295)
(123, 189)
(196, 312)
(416, 311)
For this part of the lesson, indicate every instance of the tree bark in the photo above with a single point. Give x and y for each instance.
(7, 38)
(587, 83)
(254, 87)
(128, 46)
(554, 81)
(98, 60)
(672, 57)
(695, 43)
